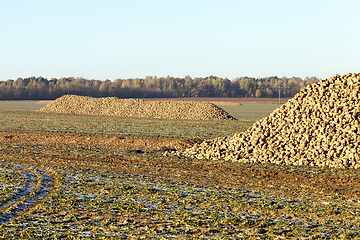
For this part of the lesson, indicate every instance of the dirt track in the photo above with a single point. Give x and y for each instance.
(145, 155)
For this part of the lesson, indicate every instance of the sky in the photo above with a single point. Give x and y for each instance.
(138, 38)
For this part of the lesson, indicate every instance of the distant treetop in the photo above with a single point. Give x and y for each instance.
(39, 88)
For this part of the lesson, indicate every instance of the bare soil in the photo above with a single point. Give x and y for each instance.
(138, 150)
(214, 99)
(45, 101)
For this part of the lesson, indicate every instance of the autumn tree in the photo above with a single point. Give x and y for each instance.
(32, 88)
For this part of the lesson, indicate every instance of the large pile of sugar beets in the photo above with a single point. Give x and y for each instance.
(318, 127)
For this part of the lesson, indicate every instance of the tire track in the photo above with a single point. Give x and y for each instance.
(27, 196)
(22, 191)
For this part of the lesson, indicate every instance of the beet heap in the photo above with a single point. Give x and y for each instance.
(318, 127)
(136, 108)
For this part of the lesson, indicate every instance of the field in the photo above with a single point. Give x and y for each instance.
(87, 177)
(249, 110)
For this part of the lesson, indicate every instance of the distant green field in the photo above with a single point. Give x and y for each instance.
(249, 111)
(11, 120)
(22, 105)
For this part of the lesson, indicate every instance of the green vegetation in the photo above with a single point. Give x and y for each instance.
(25, 121)
(22, 105)
(152, 87)
(251, 111)
(12, 177)
(92, 203)
(96, 192)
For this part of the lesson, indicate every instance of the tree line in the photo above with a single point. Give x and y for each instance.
(40, 88)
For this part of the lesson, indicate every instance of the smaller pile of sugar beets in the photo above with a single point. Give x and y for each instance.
(136, 108)
(318, 127)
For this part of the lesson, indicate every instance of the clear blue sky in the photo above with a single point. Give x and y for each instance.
(136, 38)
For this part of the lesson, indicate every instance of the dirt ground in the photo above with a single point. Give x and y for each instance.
(211, 99)
(144, 155)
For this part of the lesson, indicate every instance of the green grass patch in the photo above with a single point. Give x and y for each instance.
(34, 121)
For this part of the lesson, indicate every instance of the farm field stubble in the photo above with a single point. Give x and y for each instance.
(79, 177)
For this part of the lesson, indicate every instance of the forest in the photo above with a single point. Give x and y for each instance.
(40, 88)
